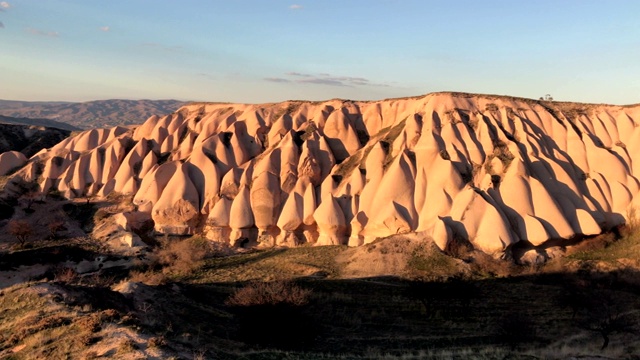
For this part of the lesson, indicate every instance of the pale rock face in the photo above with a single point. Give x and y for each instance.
(10, 160)
(442, 234)
(153, 186)
(292, 212)
(392, 210)
(331, 223)
(241, 215)
(177, 211)
(265, 200)
(341, 135)
(494, 170)
(145, 130)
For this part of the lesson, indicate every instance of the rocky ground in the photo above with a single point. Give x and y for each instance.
(72, 295)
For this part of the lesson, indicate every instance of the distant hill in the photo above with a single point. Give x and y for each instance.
(37, 122)
(91, 114)
(29, 139)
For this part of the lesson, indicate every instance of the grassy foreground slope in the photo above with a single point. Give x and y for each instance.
(397, 298)
(66, 295)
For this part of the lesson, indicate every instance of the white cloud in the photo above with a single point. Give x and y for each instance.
(105, 28)
(293, 73)
(5, 5)
(295, 7)
(324, 79)
(39, 32)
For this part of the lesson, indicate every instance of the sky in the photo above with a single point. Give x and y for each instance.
(256, 51)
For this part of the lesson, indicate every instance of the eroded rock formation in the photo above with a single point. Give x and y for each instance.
(491, 170)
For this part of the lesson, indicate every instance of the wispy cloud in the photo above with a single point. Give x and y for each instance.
(293, 73)
(324, 79)
(105, 28)
(277, 80)
(295, 7)
(1, 25)
(321, 81)
(4, 5)
(39, 32)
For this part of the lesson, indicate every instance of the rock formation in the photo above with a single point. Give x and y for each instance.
(490, 170)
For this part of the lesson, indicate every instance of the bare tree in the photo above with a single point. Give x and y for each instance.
(604, 315)
(21, 229)
(597, 308)
(31, 197)
(54, 227)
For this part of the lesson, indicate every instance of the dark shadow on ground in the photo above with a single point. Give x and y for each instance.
(389, 315)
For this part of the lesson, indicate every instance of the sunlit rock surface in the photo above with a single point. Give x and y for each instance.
(492, 170)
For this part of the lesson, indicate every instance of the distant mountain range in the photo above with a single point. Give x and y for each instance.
(91, 114)
(37, 122)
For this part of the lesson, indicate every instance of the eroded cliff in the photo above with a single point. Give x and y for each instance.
(488, 169)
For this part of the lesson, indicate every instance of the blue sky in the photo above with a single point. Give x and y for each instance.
(273, 50)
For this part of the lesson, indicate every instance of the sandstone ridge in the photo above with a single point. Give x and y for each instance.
(490, 170)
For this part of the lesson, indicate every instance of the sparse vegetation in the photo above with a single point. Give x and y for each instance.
(21, 229)
(491, 107)
(345, 168)
(431, 262)
(30, 198)
(501, 151)
(269, 293)
(65, 275)
(473, 121)
(494, 311)
(627, 247)
(173, 258)
(260, 305)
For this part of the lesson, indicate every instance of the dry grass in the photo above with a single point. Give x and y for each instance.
(270, 293)
(605, 248)
(270, 265)
(427, 261)
(173, 259)
(182, 256)
(148, 277)
(37, 322)
(65, 275)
